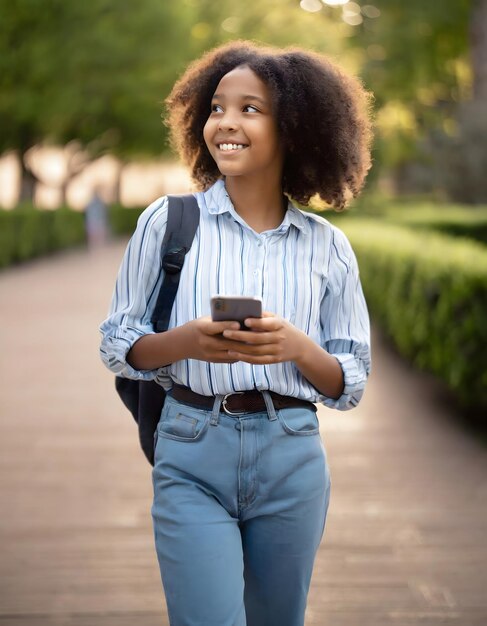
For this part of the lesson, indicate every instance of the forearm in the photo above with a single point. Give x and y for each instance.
(320, 368)
(199, 339)
(153, 351)
(274, 340)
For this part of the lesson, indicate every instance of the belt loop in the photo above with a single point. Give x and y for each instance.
(271, 411)
(216, 410)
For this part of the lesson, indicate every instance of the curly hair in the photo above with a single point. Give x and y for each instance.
(323, 118)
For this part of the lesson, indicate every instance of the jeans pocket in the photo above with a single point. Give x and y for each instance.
(300, 422)
(183, 423)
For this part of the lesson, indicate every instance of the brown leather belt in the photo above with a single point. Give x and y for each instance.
(238, 402)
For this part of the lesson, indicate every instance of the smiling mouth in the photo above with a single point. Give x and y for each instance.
(231, 147)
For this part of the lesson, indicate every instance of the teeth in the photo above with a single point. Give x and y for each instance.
(230, 146)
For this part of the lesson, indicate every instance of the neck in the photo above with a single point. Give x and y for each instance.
(260, 205)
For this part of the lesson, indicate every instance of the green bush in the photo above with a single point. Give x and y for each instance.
(7, 238)
(122, 220)
(449, 219)
(27, 232)
(429, 293)
(456, 220)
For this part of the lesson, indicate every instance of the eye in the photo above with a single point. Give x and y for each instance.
(250, 108)
(216, 108)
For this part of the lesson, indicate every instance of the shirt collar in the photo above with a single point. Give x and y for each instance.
(218, 202)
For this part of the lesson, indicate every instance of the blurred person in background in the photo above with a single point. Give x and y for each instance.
(96, 220)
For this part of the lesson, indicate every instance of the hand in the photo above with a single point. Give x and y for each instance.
(271, 339)
(207, 343)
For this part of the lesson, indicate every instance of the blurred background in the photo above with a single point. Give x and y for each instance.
(83, 150)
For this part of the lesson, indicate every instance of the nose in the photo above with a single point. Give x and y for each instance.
(227, 122)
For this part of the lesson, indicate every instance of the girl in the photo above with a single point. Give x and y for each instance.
(241, 482)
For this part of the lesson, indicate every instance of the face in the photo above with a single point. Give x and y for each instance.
(241, 131)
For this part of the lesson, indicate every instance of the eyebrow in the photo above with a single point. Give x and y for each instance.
(244, 97)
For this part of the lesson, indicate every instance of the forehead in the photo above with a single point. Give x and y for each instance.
(243, 81)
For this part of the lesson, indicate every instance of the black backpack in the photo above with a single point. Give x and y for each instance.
(145, 398)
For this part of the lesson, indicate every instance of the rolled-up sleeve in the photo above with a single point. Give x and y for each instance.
(345, 323)
(136, 289)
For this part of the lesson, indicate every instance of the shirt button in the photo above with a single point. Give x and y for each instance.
(259, 243)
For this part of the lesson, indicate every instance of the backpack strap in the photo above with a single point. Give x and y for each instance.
(182, 222)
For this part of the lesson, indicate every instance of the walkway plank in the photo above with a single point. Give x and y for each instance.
(405, 540)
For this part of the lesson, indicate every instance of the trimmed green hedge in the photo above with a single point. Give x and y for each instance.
(122, 220)
(450, 219)
(26, 233)
(429, 293)
(453, 220)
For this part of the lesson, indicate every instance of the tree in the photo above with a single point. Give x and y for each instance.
(90, 71)
(462, 155)
(478, 47)
(427, 64)
(97, 72)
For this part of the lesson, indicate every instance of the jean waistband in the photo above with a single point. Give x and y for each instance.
(238, 402)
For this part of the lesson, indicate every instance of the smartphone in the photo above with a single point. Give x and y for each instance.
(235, 308)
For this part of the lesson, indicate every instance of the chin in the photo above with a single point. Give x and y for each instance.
(225, 170)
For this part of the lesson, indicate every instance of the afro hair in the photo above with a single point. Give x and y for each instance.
(322, 113)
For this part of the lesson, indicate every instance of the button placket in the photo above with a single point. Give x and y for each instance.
(258, 267)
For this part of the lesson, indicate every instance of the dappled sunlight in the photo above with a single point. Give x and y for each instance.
(311, 5)
(352, 13)
(60, 171)
(148, 181)
(10, 177)
(335, 3)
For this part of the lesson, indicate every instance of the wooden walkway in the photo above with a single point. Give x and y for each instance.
(406, 535)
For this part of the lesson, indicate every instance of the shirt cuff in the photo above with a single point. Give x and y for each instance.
(113, 352)
(354, 378)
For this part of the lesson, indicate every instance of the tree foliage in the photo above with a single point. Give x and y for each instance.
(98, 71)
(417, 51)
(94, 71)
(416, 60)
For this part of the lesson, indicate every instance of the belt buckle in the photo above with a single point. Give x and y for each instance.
(224, 403)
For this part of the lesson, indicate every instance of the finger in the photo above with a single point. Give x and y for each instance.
(265, 359)
(253, 338)
(217, 328)
(228, 360)
(267, 323)
(222, 343)
(256, 350)
(220, 356)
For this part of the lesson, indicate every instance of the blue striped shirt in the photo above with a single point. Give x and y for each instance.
(305, 271)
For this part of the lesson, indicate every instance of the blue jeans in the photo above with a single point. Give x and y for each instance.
(239, 511)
